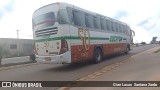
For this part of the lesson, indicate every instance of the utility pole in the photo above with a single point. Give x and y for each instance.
(17, 42)
(17, 34)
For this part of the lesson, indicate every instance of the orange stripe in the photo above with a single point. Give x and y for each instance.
(85, 55)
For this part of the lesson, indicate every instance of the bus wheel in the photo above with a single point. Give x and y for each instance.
(127, 50)
(97, 55)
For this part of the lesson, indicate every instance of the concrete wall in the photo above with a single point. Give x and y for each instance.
(15, 47)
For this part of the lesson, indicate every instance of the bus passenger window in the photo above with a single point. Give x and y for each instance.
(124, 27)
(96, 21)
(113, 26)
(108, 25)
(78, 18)
(89, 21)
(70, 14)
(63, 17)
(117, 27)
(103, 24)
(120, 29)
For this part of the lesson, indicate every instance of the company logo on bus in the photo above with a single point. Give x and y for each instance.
(85, 40)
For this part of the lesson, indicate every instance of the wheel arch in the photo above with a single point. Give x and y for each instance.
(99, 47)
(128, 46)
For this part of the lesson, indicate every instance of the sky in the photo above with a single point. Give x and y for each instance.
(143, 16)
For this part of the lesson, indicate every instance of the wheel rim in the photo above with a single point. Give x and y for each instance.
(98, 56)
(127, 49)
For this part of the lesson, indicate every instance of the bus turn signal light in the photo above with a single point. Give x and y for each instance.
(64, 46)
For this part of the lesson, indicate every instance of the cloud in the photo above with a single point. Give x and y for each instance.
(6, 6)
(120, 14)
(141, 15)
(9, 6)
(1, 13)
(143, 22)
(20, 18)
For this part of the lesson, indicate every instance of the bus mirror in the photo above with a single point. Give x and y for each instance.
(133, 33)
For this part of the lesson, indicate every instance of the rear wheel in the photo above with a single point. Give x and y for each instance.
(97, 55)
(127, 50)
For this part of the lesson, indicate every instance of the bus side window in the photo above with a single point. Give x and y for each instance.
(79, 18)
(63, 17)
(108, 25)
(89, 21)
(113, 26)
(103, 24)
(70, 14)
(120, 28)
(96, 21)
(117, 27)
(123, 29)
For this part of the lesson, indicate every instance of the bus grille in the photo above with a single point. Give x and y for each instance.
(46, 32)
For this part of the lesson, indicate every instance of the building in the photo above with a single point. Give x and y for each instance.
(17, 47)
(157, 42)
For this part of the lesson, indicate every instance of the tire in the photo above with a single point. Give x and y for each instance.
(97, 55)
(127, 50)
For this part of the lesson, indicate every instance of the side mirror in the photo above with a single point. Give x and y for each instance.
(132, 33)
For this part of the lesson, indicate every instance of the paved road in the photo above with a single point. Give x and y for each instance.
(58, 72)
(15, 60)
(141, 67)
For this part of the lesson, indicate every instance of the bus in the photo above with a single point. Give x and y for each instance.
(66, 34)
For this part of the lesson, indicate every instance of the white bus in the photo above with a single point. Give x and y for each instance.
(64, 33)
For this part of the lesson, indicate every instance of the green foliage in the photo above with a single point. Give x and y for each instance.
(154, 39)
(143, 43)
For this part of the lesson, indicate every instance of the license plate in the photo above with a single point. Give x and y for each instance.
(47, 58)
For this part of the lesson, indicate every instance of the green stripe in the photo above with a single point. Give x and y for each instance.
(70, 37)
(98, 38)
(48, 39)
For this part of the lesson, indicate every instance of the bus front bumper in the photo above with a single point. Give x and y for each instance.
(64, 58)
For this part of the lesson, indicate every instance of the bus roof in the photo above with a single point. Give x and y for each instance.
(64, 5)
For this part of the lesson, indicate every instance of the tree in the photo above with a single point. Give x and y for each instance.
(153, 40)
(143, 43)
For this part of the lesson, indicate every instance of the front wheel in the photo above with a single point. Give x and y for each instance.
(97, 55)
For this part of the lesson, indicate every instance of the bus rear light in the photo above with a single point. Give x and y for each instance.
(57, 43)
(64, 46)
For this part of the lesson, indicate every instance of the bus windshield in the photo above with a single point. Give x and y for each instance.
(44, 20)
(49, 19)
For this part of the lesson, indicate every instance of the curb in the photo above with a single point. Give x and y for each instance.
(149, 51)
(17, 66)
